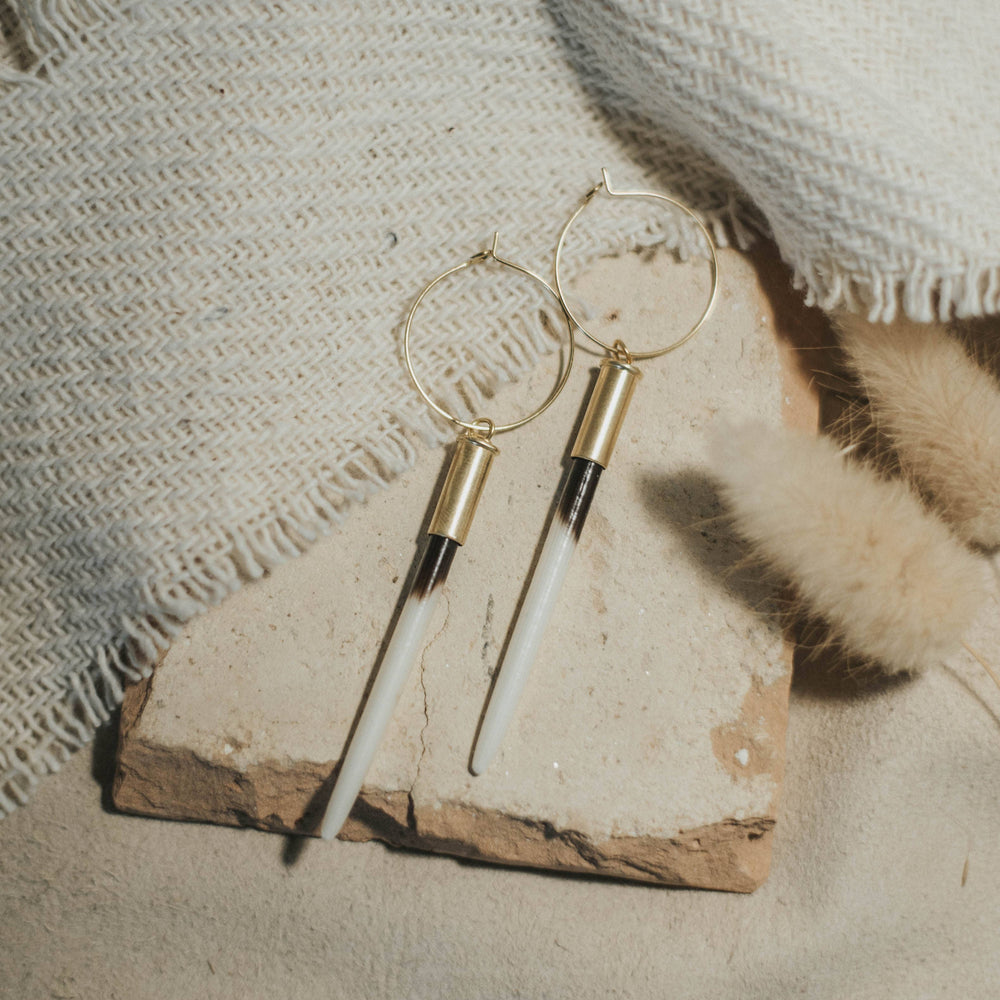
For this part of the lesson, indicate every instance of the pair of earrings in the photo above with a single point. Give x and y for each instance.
(470, 464)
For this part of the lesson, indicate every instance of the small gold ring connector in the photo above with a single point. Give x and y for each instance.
(483, 427)
(621, 353)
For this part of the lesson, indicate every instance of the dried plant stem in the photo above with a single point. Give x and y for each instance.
(982, 663)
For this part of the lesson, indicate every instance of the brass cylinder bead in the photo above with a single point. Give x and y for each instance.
(462, 488)
(606, 409)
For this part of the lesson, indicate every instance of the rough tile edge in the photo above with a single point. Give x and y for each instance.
(289, 797)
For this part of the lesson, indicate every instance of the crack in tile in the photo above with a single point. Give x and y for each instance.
(423, 691)
(487, 637)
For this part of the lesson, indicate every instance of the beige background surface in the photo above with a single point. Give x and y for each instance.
(885, 883)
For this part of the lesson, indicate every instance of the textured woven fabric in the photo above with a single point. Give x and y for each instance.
(214, 216)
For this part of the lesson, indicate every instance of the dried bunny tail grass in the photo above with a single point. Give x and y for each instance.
(851, 426)
(941, 414)
(894, 584)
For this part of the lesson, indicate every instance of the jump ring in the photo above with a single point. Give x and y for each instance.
(483, 427)
(621, 352)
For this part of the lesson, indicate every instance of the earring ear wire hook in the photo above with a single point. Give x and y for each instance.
(490, 253)
(713, 261)
(474, 426)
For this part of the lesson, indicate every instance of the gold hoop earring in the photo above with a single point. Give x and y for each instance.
(449, 526)
(590, 455)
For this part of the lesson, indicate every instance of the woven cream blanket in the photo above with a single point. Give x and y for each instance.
(213, 216)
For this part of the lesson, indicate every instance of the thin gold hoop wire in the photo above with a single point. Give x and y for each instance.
(483, 427)
(616, 348)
